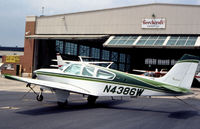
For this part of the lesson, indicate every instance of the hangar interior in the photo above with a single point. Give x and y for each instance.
(125, 58)
(142, 37)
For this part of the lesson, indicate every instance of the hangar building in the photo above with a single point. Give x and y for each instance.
(146, 36)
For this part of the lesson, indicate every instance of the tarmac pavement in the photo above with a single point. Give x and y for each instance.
(19, 110)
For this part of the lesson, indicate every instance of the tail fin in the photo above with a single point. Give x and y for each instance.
(182, 73)
(60, 60)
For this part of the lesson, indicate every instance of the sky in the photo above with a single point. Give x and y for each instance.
(13, 13)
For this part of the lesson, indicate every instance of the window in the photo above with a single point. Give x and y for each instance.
(122, 67)
(122, 58)
(88, 71)
(59, 46)
(182, 41)
(151, 40)
(104, 74)
(123, 40)
(114, 56)
(73, 69)
(95, 53)
(105, 55)
(84, 51)
(70, 48)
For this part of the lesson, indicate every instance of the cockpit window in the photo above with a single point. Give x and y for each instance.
(64, 66)
(74, 69)
(104, 74)
(88, 71)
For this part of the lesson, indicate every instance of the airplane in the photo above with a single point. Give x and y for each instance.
(61, 62)
(155, 73)
(198, 76)
(96, 81)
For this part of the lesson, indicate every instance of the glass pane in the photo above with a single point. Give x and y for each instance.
(114, 56)
(122, 58)
(193, 38)
(153, 37)
(104, 75)
(84, 50)
(133, 37)
(171, 42)
(181, 42)
(150, 42)
(144, 37)
(112, 42)
(174, 37)
(159, 42)
(88, 71)
(124, 37)
(183, 38)
(122, 67)
(105, 55)
(74, 69)
(70, 48)
(95, 53)
(117, 37)
(190, 43)
(129, 42)
(121, 41)
(141, 42)
(162, 37)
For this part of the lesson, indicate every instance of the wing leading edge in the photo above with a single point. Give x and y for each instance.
(49, 84)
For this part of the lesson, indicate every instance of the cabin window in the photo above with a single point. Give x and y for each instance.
(88, 71)
(74, 69)
(104, 74)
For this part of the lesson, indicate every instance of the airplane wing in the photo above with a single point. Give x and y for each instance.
(49, 84)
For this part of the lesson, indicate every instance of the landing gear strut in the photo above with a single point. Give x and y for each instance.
(39, 96)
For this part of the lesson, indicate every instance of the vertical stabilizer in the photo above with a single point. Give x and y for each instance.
(60, 60)
(182, 73)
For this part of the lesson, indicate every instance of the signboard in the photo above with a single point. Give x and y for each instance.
(12, 59)
(153, 23)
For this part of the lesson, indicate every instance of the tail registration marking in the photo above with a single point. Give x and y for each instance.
(123, 90)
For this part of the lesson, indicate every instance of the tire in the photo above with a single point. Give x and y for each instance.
(92, 99)
(62, 105)
(39, 97)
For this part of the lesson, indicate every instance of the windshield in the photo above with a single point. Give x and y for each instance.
(74, 69)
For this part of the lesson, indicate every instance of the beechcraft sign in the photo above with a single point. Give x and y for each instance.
(153, 23)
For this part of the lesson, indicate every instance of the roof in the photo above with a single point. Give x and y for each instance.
(124, 7)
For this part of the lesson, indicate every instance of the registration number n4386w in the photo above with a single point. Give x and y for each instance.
(123, 90)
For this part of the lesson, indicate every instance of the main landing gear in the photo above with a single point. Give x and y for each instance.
(91, 99)
(39, 97)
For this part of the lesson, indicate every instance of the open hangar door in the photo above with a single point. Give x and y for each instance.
(44, 52)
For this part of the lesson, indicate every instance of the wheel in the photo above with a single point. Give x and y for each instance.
(92, 99)
(62, 104)
(39, 97)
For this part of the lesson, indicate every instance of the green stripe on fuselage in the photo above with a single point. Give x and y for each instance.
(130, 81)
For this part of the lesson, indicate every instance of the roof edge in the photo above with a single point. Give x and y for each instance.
(114, 8)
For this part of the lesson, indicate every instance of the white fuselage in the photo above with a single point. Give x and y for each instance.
(98, 87)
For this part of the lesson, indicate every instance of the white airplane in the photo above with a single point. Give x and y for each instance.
(62, 62)
(155, 73)
(95, 81)
(198, 77)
